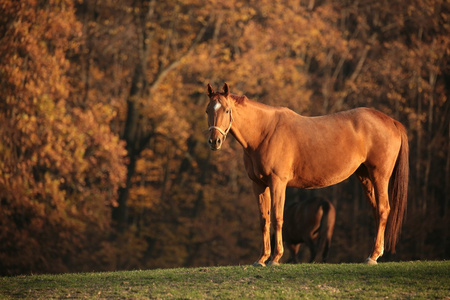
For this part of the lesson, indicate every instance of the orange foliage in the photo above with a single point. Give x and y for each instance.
(60, 165)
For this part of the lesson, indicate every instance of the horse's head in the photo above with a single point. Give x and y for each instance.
(220, 116)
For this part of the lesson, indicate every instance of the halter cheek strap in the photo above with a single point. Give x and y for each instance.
(224, 133)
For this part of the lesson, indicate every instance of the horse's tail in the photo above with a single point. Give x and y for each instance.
(398, 191)
(326, 228)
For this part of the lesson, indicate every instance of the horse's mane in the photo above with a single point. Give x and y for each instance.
(243, 99)
(239, 99)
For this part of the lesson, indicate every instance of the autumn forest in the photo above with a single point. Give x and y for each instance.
(104, 161)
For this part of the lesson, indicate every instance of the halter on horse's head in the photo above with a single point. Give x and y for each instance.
(220, 116)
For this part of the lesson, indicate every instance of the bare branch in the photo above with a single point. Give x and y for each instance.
(360, 64)
(175, 63)
(362, 59)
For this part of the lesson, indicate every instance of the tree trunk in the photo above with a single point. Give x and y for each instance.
(120, 213)
(130, 136)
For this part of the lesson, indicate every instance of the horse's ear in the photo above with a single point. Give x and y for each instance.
(210, 90)
(226, 89)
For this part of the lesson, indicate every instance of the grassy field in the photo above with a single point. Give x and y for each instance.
(419, 280)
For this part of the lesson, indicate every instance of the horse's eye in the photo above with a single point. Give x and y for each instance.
(227, 111)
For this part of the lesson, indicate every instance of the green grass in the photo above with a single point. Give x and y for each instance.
(418, 280)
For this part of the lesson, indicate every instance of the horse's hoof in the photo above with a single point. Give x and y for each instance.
(272, 263)
(370, 261)
(258, 264)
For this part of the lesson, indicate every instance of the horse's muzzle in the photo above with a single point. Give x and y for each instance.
(215, 144)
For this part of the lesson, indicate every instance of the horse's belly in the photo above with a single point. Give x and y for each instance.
(315, 183)
(318, 175)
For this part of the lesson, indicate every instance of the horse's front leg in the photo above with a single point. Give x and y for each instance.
(263, 196)
(278, 194)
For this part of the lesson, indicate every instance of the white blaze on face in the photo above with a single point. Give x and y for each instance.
(217, 106)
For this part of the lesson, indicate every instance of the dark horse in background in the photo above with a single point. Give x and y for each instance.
(309, 222)
(283, 149)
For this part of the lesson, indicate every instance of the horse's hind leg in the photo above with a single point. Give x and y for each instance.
(381, 185)
(312, 250)
(369, 190)
(376, 191)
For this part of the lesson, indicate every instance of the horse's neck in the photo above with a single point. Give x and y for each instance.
(250, 123)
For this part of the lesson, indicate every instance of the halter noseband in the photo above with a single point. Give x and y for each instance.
(224, 133)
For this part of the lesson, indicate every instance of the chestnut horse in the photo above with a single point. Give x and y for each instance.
(309, 222)
(282, 148)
